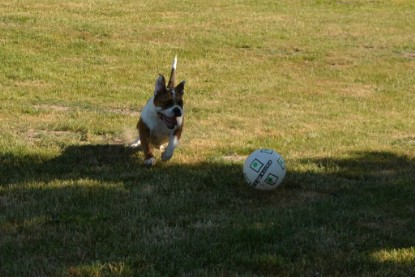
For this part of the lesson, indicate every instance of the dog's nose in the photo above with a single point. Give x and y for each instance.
(177, 112)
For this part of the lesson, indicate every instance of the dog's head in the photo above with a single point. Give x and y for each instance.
(168, 100)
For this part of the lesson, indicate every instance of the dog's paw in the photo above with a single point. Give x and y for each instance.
(166, 155)
(150, 162)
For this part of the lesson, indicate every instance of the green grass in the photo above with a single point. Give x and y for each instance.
(328, 84)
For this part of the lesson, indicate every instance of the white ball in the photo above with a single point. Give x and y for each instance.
(264, 169)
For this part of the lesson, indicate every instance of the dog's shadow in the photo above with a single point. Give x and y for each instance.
(104, 162)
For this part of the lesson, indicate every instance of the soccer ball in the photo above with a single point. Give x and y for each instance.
(264, 169)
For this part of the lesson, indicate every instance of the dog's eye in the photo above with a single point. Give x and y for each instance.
(180, 102)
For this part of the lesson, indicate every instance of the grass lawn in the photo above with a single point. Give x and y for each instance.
(328, 84)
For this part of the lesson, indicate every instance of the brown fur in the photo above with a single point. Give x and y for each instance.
(144, 133)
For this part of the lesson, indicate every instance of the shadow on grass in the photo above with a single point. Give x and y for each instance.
(116, 163)
(85, 161)
(96, 210)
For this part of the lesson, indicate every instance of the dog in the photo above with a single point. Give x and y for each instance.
(161, 120)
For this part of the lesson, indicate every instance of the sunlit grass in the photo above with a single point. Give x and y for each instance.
(400, 256)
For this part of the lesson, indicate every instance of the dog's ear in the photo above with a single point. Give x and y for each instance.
(160, 86)
(180, 88)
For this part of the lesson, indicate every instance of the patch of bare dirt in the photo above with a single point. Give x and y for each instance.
(58, 108)
(129, 112)
(234, 158)
(409, 55)
(33, 135)
(358, 90)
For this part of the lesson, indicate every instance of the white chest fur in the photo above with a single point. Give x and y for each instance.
(159, 133)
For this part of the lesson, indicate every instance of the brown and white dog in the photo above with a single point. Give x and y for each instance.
(161, 119)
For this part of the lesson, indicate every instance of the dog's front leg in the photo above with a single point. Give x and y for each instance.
(169, 151)
(144, 135)
(173, 142)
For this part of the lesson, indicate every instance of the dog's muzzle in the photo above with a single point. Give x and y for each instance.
(170, 122)
(177, 112)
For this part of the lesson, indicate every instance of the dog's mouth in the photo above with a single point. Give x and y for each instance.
(170, 122)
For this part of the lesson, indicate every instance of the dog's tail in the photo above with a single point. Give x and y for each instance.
(172, 81)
